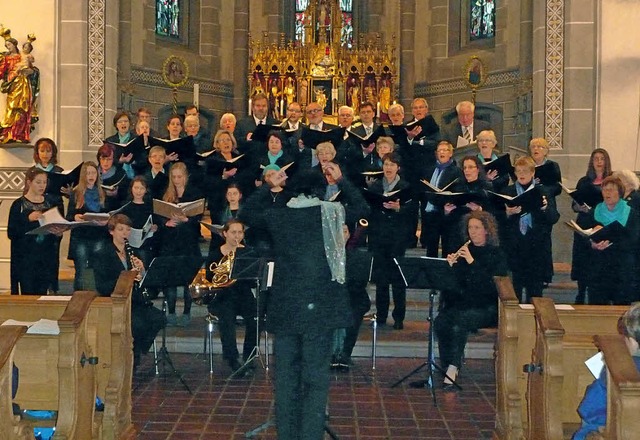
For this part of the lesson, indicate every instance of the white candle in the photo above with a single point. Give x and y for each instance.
(249, 106)
(378, 109)
(282, 106)
(196, 94)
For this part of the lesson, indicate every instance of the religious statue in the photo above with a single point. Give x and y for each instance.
(304, 91)
(289, 91)
(355, 99)
(369, 95)
(385, 97)
(321, 97)
(20, 80)
(274, 100)
(256, 87)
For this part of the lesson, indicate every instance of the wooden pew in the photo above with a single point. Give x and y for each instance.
(53, 376)
(516, 341)
(623, 389)
(109, 336)
(10, 428)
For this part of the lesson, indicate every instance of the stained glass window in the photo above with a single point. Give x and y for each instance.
(482, 19)
(346, 37)
(168, 18)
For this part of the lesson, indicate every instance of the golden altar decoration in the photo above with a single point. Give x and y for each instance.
(319, 68)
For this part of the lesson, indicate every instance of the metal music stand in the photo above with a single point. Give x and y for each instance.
(434, 274)
(170, 272)
(249, 265)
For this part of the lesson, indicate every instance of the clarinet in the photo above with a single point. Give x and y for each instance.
(138, 295)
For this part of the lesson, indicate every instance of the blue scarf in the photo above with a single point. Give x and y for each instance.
(109, 173)
(273, 159)
(526, 221)
(442, 166)
(48, 168)
(92, 199)
(619, 213)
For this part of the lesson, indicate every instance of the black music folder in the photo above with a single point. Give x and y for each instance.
(613, 232)
(547, 173)
(311, 138)
(171, 271)
(376, 199)
(63, 179)
(529, 200)
(441, 198)
(184, 146)
(134, 146)
(590, 195)
(502, 165)
(368, 140)
(428, 124)
(261, 133)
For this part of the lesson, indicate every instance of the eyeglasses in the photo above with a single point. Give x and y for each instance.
(314, 110)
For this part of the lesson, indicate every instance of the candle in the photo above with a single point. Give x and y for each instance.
(249, 106)
(196, 94)
(282, 106)
(378, 110)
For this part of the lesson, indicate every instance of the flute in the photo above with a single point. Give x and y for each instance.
(457, 254)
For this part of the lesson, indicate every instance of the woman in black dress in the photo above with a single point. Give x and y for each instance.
(233, 300)
(388, 228)
(475, 304)
(179, 236)
(589, 189)
(34, 258)
(114, 180)
(87, 197)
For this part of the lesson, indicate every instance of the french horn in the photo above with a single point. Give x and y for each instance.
(202, 290)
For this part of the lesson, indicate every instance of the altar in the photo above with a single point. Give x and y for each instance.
(320, 66)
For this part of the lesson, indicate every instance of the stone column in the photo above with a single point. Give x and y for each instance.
(240, 56)
(407, 77)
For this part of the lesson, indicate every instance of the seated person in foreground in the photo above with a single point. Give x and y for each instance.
(475, 304)
(593, 408)
(113, 258)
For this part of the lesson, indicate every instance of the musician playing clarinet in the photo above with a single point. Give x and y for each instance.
(475, 304)
(233, 300)
(113, 258)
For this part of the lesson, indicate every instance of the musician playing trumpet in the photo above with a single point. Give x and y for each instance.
(233, 300)
(475, 304)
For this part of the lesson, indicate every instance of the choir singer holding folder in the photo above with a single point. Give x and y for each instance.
(612, 262)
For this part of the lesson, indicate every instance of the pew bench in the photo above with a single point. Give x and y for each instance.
(516, 342)
(108, 335)
(10, 428)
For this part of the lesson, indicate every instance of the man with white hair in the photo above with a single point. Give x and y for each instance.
(466, 126)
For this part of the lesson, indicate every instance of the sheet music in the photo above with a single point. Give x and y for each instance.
(595, 364)
(40, 327)
(270, 269)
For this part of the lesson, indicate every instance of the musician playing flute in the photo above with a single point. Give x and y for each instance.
(475, 304)
(113, 258)
(233, 300)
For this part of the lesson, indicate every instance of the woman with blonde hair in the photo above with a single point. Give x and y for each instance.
(179, 235)
(87, 197)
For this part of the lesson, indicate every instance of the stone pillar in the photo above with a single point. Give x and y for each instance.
(209, 30)
(274, 20)
(241, 56)
(407, 77)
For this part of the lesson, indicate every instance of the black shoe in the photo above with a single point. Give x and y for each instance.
(398, 325)
(418, 384)
(449, 387)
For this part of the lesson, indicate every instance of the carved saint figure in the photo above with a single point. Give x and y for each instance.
(20, 81)
(321, 97)
(289, 91)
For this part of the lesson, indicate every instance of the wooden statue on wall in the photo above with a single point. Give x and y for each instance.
(20, 81)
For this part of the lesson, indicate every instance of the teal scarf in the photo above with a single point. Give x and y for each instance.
(619, 213)
(273, 159)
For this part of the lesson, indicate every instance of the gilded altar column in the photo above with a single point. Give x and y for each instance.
(407, 77)
(240, 56)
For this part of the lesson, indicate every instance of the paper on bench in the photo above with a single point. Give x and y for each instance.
(595, 364)
(55, 298)
(558, 306)
(40, 327)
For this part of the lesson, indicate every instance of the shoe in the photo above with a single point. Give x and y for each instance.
(398, 325)
(172, 320)
(344, 363)
(185, 320)
(334, 362)
(449, 388)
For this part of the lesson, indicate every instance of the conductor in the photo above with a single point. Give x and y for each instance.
(308, 300)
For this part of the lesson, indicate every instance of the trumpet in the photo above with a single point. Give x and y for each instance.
(459, 251)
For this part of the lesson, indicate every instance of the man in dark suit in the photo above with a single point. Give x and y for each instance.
(466, 126)
(246, 126)
(315, 113)
(434, 222)
(367, 116)
(308, 301)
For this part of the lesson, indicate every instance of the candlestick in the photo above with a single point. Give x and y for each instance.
(196, 95)
(249, 106)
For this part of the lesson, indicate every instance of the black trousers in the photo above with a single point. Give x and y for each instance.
(434, 228)
(452, 327)
(229, 304)
(302, 384)
(386, 273)
(360, 305)
(146, 322)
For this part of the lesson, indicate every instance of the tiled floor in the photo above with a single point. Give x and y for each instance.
(362, 405)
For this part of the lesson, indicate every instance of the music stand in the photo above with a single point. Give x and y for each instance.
(249, 265)
(170, 272)
(433, 274)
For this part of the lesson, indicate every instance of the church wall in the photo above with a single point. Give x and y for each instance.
(618, 84)
(440, 64)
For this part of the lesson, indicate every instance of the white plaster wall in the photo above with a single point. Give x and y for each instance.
(619, 82)
(41, 22)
